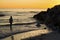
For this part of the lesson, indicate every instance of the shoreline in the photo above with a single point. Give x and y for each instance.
(13, 33)
(19, 24)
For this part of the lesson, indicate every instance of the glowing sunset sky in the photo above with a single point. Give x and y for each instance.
(28, 3)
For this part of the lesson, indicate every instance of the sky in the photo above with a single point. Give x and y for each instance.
(39, 4)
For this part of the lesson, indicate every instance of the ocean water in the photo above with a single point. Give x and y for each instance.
(19, 16)
(21, 10)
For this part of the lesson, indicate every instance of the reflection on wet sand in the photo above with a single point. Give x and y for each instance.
(29, 34)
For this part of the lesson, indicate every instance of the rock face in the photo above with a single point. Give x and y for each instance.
(51, 17)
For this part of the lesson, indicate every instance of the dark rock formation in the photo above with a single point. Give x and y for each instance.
(1, 14)
(51, 17)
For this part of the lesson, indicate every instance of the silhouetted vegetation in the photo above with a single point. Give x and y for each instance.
(51, 18)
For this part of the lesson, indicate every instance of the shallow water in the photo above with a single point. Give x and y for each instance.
(25, 18)
(18, 17)
(27, 34)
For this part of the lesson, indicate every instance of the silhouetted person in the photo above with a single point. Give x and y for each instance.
(11, 21)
